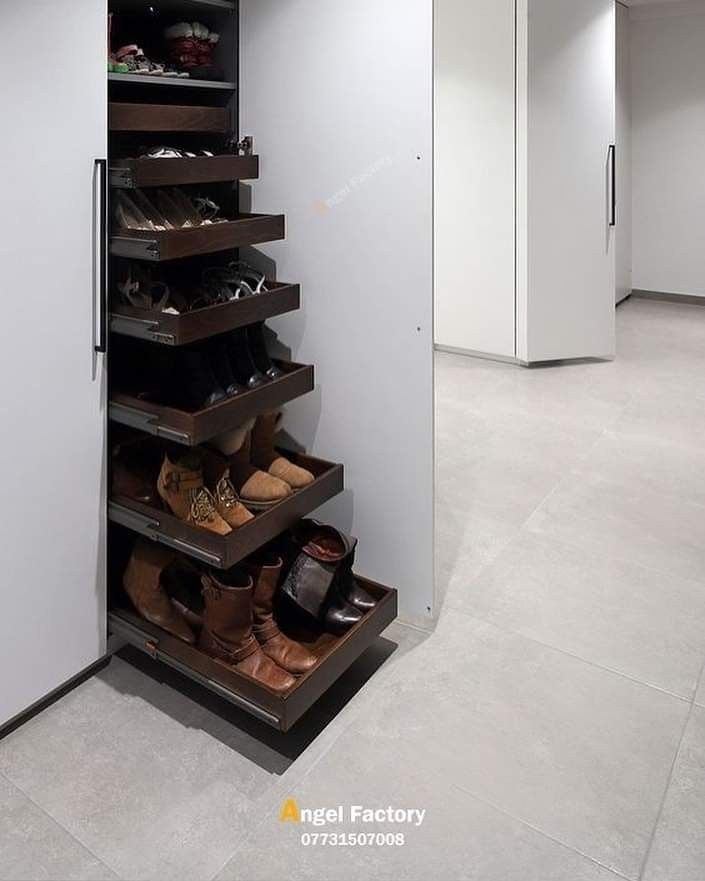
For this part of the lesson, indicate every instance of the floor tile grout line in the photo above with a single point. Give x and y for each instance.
(542, 832)
(60, 825)
(575, 657)
(662, 805)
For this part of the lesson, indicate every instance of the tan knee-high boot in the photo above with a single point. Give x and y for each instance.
(142, 583)
(227, 630)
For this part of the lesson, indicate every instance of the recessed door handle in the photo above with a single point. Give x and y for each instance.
(101, 238)
(613, 184)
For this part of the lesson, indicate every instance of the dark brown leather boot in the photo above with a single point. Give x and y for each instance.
(227, 630)
(142, 583)
(286, 653)
(265, 456)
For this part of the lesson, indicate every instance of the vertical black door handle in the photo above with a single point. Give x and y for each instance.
(613, 185)
(101, 166)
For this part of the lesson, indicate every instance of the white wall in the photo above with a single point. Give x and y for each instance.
(475, 175)
(668, 112)
(338, 96)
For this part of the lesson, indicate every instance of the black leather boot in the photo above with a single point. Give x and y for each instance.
(222, 368)
(260, 355)
(349, 588)
(313, 581)
(242, 362)
(199, 387)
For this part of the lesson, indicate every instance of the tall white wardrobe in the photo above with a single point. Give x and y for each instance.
(525, 198)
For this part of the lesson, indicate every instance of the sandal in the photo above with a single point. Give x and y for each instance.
(254, 281)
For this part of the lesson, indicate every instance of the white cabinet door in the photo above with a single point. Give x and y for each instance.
(343, 122)
(475, 177)
(570, 253)
(52, 447)
(624, 155)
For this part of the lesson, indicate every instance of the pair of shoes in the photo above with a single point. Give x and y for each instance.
(320, 580)
(234, 281)
(182, 489)
(223, 368)
(174, 153)
(164, 209)
(235, 623)
(239, 628)
(131, 59)
(141, 290)
(261, 475)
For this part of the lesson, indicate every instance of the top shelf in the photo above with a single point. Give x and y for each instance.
(173, 5)
(138, 79)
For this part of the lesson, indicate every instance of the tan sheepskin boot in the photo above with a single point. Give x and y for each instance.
(265, 456)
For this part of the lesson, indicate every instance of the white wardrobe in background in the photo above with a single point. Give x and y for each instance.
(525, 199)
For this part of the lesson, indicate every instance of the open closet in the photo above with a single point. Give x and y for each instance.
(215, 177)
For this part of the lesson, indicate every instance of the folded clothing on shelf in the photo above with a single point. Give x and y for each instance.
(190, 48)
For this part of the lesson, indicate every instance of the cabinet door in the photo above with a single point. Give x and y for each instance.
(475, 175)
(346, 145)
(568, 300)
(52, 552)
(624, 155)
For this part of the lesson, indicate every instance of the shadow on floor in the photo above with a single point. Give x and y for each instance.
(264, 746)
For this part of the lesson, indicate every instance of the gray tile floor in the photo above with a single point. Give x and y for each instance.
(553, 725)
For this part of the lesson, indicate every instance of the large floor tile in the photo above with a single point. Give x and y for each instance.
(700, 694)
(33, 847)
(460, 837)
(466, 542)
(642, 463)
(152, 794)
(607, 611)
(667, 418)
(656, 530)
(580, 753)
(678, 851)
(585, 395)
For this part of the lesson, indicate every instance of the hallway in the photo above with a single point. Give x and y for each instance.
(550, 727)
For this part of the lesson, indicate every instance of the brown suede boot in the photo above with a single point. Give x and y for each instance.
(227, 630)
(229, 505)
(266, 457)
(286, 653)
(256, 489)
(142, 583)
(180, 486)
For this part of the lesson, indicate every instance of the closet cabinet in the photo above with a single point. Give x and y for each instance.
(110, 303)
(525, 178)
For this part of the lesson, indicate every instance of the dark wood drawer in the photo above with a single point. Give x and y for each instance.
(225, 551)
(203, 425)
(336, 655)
(131, 173)
(180, 330)
(245, 229)
(129, 117)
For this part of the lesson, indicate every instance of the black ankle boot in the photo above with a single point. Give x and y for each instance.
(199, 387)
(242, 362)
(222, 368)
(260, 355)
